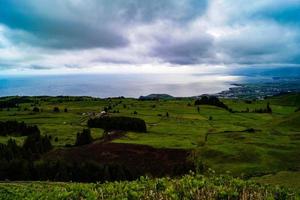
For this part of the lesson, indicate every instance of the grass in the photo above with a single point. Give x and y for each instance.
(187, 187)
(283, 178)
(222, 143)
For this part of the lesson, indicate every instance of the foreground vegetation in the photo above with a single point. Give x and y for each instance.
(188, 187)
(251, 139)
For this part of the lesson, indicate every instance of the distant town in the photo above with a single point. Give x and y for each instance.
(262, 89)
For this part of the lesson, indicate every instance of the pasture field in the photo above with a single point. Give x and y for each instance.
(240, 143)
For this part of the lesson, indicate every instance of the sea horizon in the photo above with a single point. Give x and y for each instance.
(114, 85)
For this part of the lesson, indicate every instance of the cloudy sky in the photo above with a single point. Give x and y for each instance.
(43, 36)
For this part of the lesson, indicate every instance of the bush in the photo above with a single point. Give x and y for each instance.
(118, 123)
(56, 109)
(83, 138)
(36, 109)
(186, 187)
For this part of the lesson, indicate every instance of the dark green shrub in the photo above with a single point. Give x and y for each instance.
(83, 138)
(36, 109)
(56, 109)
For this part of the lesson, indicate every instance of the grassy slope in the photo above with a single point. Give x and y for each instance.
(273, 147)
(283, 178)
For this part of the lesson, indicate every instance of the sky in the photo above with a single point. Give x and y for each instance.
(147, 36)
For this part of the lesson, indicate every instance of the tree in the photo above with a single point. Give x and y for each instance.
(211, 100)
(17, 128)
(83, 137)
(37, 144)
(56, 109)
(269, 110)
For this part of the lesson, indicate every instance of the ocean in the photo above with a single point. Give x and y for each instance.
(135, 85)
(114, 85)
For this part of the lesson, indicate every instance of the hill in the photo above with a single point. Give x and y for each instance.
(156, 97)
(245, 143)
(287, 99)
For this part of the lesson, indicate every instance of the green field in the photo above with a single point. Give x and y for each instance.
(219, 138)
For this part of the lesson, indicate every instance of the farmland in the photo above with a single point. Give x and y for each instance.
(241, 141)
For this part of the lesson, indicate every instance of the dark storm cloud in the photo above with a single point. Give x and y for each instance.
(87, 24)
(75, 34)
(55, 27)
(185, 50)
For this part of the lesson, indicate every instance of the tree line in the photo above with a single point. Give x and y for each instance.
(268, 109)
(109, 123)
(34, 146)
(214, 101)
(211, 100)
(13, 102)
(15, 128)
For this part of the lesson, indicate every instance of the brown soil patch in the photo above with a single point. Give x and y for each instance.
(140, 158)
